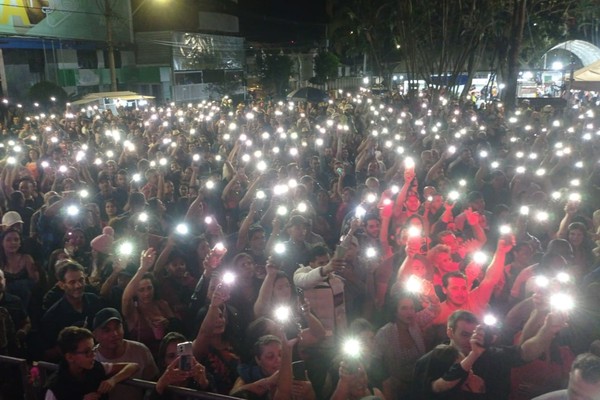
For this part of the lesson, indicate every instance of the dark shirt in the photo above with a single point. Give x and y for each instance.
(14, 306)
(295, 254)
(65, 386)
(493, 366)
(62, 314)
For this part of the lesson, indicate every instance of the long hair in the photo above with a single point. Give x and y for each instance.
(3, 259)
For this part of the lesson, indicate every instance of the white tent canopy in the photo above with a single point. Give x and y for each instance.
(587, 78)
(92, 97)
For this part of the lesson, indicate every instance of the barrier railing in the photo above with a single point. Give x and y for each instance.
(44, 367)
(21, 364)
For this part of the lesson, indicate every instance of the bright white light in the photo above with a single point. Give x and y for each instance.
(182, 229)
(480, 257)
(414, 284)
(490, 320)
(562, 302)
(282, 313)
(352, 348)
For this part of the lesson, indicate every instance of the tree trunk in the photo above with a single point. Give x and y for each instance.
(515, 40)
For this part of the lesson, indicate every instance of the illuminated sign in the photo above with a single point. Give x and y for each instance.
(64, 19)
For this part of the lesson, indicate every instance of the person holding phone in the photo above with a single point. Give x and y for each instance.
(173, 373)
(273, 379)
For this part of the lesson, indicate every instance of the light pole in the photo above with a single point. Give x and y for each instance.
(111, 47)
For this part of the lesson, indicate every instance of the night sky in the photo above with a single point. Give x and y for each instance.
(285, 22)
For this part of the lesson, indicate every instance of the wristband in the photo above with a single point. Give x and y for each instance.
(456, 372)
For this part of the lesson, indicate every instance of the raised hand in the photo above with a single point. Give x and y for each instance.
(147, 259)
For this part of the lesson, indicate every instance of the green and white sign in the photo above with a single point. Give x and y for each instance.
(65, 19)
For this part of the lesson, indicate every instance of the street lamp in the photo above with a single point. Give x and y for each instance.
(139, 6)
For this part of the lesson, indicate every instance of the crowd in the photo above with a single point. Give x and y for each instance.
(367, 247)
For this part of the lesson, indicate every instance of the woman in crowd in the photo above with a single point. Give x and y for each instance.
(214, 346)
(148, 317)
(20, 271)
(400, 343)
(169, 364)
(276, 301)
(274, 373)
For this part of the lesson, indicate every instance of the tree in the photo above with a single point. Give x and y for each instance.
(274, 72)
(326, 67)
(43, 92)
(361, 27)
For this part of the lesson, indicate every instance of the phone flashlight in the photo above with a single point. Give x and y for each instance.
(352, 348)
(219, 248)
(283, 314)
(480, 257)
(228, 278)
(453, 195)
(126, 249)
(562, 302)
(541, 281)
(282, 210)
(371, 252)
(360, 212)
(505, 229)
(182, 229)
(414, 284)
(72, 211)
(563, 277)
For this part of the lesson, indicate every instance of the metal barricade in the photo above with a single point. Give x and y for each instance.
(146, 385)
(21, 364)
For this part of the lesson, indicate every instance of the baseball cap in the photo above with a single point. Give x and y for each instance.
(104, 316)
(11, 218)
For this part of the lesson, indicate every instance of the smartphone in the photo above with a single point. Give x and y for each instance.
(184, 351)
(339, 171)
(340, 252)
(299, 370)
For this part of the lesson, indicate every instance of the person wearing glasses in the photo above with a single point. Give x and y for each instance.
(79, 375)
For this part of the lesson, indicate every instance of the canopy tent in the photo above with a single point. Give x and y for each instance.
(92, 97)
(587, 78)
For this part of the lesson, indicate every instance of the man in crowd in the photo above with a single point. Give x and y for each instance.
(584, 380)
(114, 348)
(75, 308)
(471, 366)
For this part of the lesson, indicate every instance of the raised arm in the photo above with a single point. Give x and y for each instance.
(251, 193)
(242, 238)
(494, 272)
(263, 301)
(201, 344)
(147, 259)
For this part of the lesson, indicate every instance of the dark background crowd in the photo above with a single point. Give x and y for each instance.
(367, 246)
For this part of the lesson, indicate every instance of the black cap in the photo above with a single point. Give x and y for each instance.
(104, 316)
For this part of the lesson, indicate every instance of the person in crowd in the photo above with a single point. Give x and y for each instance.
(274, 381)
(584, 380)
(148, 317)
(325, 292)
(470, 365)
(15, 321)
(75, 308)
(436, 176)
(400, 343)
(213, 345)
(172, 374)
(112, 347)
(19, 269)
(79, 375)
